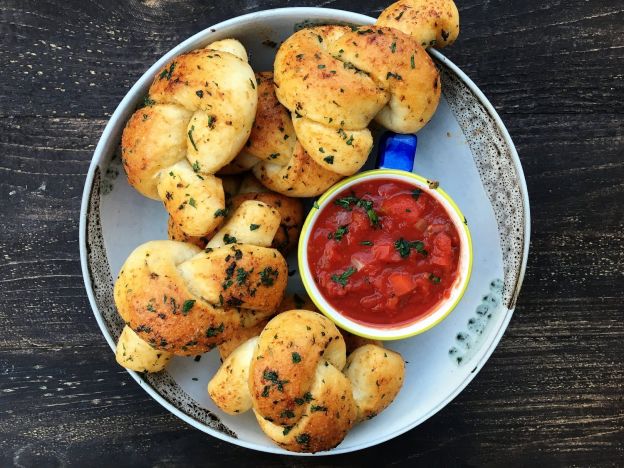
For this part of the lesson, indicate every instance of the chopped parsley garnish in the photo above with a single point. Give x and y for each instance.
(398, 17)
(190, 135)
(370, 212)
(321, 150)
(296, 358)
(321, 66)
(241, 275)
(303, 439)
(396, 76)
(148, 101)
(329, 159)
(143, 328)
(234, 301)
(342, 278)
(166, 73)
(253, 227)
(200, 93)
(192, 202)
(350, 141)
(346, 202)
(268, 276)
(339, 233)
(404, 247)
(229, 271)
(366, 205)
(227, 239)
(187, 306)
(273, 377)
(412, 63)
(416, 193)
(315, 408)
(393, 47)
(287, 414)
(253, 86)
(214, 331)
(307, 397)
(195, 166)
(434, 279)
(221, 212)
(366, 243)
(211, 121)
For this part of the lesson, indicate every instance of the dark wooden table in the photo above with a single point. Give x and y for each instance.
(552, 393)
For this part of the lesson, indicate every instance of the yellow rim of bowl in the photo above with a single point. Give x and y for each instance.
(331, 191)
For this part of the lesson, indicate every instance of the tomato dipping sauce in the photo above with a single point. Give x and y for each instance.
(384, 252)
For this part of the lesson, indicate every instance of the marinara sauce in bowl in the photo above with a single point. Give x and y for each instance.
(385, 254)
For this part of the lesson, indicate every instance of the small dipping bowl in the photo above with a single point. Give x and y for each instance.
(396, 159)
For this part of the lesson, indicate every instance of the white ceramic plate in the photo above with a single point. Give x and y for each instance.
(466, 147)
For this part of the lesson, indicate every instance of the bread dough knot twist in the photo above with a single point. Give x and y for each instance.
(429, 22)
(196, 119)
(292, 377)
(335, 80)
(183, 300)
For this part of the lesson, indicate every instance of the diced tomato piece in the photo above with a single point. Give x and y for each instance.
(384, 252)
(442, 250)
(442, 242)
(401, 283)
(404, 207)
(442, 261)
(422, 286)
(359, 222)
(392, 302)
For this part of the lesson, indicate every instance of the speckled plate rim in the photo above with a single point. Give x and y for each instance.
(104, 147)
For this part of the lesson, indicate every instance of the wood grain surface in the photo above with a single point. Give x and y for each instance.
(552, 393)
